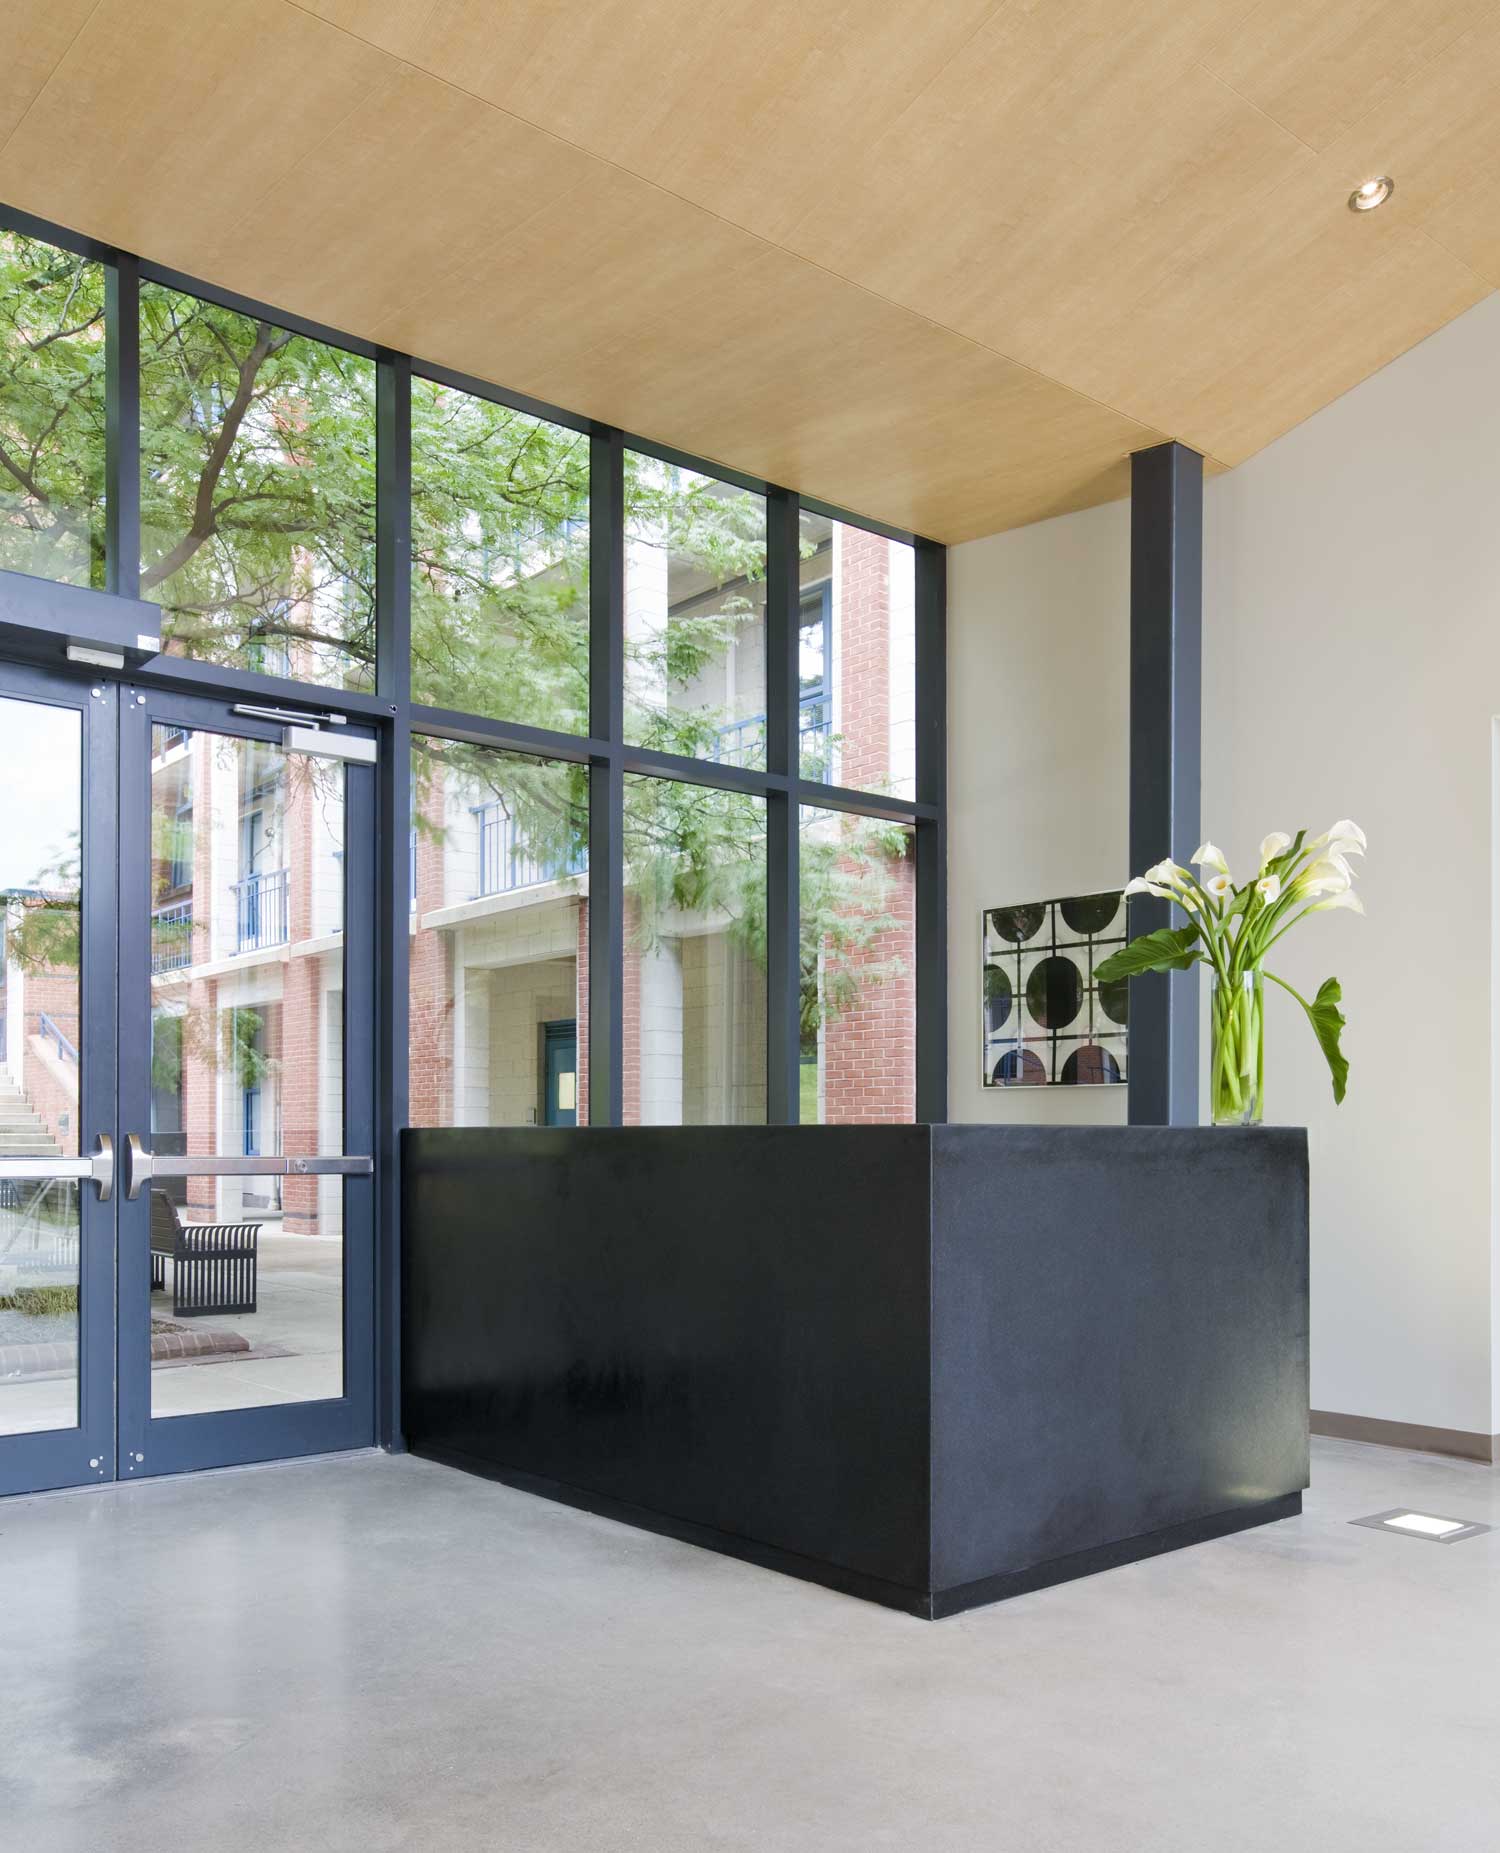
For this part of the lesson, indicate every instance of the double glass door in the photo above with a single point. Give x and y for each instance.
(186, 1105)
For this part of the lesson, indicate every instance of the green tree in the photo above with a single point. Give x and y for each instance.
(258, 539)
(51, 412)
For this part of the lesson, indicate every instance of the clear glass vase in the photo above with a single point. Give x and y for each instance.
(1237, 1059)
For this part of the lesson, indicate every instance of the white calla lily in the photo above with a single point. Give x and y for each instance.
(1348, 898)
(1345, 836)
(1234, 930)
(1331, 875)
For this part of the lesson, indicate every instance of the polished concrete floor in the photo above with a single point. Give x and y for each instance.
(374, 1653)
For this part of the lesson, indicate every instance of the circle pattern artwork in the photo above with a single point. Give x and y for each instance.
(1114, 999)
(1046, 1017)
(1089, 913)
(998, 998)
(1090, 1066)
(1054, 992)
(1018, 924)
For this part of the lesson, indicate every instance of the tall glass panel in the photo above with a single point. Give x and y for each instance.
(40, 1062)
(500, 561)
(695, 955)
(499, 949)
(857, 658)
(257, 493)
(858, 959)
(247, 1058)
(51, 412)
(695, 614)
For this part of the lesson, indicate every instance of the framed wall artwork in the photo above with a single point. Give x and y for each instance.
(1048, 1021)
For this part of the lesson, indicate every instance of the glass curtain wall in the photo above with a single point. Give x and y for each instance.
(604, 665)
(52, 367)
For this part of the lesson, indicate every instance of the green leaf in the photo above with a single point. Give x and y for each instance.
(1328, 1021)
(1169, 949)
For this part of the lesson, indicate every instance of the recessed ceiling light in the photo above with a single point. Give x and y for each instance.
(1428, 1525)
(1371, 193)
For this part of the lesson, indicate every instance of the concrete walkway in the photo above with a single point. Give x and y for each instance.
(297, 1326)
(367, 1654)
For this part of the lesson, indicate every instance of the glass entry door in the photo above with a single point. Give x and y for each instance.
(228, 1315)
(57, 1080)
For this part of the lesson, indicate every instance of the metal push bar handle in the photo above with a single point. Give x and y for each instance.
(100, 1169)
(141, 1166)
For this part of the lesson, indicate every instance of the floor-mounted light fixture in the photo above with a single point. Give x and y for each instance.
(1429, 1525)
(1371, 193)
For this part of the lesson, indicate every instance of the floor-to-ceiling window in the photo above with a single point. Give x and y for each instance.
(660, 817)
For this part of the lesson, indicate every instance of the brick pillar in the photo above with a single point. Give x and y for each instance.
(203, 1048)
(869, 1050)
(300, 1052)
(630, 997)
(862, 625)
(581, 916)
(430, 1018)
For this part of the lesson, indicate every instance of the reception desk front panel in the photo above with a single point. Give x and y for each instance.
(927, 1365)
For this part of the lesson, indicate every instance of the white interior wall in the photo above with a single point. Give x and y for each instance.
(1351, 668)
(1038, 732)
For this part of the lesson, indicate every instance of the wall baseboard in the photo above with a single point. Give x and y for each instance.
(1467, 1445)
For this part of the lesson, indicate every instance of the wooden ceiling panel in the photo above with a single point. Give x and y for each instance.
(161, 123)
(613, 258)
(1317, 66)
(36, 34)
(1440, 135)
(748, 107)
(946, 265)
(1049, 227)
(1277, 312)
(357, 228)
(871, 403)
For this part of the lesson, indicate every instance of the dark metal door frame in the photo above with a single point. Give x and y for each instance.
(176, 1444)
(76, 1456)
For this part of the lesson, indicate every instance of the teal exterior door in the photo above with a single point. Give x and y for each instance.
(560, 1073)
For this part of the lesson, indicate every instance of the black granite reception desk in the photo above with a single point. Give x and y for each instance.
(931, 1366)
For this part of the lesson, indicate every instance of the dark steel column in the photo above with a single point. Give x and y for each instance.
(1166, 686)
(393, 810)
(783, 814)
(932, 833)
(606, 1038)
(122, 427)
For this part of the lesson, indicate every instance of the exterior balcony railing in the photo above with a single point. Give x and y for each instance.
(743, 743)
(260, 911)
(505, 863)
(172, 937)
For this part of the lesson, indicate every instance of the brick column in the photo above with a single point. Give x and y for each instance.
(430, 1019)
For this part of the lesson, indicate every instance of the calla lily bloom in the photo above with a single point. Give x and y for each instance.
(1345, 837)
(1331, 875)
(1232, 930)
